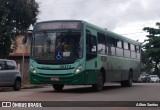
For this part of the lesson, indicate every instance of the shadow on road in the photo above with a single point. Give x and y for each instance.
(89, 89)
(86, 89)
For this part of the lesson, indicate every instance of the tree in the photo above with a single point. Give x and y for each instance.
(152, 47)
(16, 16)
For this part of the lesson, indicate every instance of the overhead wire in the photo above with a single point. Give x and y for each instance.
(132, 33)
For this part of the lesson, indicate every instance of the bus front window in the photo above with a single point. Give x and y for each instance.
(57, 46)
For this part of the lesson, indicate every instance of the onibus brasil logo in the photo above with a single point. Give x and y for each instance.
(20, 104)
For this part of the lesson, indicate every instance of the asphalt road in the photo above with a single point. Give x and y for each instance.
(111, 92)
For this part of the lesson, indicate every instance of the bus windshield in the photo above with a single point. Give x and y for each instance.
(57, 46)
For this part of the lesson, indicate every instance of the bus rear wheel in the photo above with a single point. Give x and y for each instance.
(58, 87)
(127, 83)
(99, 85)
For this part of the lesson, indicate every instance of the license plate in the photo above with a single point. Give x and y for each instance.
(54, 79)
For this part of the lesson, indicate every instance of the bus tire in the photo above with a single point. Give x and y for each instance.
(100, 82)
(58, 87)
(128, 83)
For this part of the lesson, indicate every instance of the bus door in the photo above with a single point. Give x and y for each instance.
(91, 55)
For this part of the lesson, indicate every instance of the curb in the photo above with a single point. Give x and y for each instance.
(31, 86)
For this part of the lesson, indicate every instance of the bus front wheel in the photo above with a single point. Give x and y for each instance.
(58, 87)
(100, 82)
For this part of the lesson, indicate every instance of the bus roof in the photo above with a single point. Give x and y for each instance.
(112, 34)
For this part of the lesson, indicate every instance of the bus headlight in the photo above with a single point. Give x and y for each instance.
(33, 70)
(79, 69)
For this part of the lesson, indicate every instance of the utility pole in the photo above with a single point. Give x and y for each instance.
(24, 41)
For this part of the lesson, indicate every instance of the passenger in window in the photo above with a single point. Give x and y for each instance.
(60, 46)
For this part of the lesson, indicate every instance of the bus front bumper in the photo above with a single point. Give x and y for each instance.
(68, 79)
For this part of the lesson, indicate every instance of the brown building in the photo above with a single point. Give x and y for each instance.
(18, 53)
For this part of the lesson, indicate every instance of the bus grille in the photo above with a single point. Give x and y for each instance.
(56, 74)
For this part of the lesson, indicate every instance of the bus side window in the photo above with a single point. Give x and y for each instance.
(101, 43)
(127, 52)
(91, 46)
(111, 44)
(133, 51)
(138, 52)
(119, 48)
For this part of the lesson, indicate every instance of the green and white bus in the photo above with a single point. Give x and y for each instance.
(75, 52)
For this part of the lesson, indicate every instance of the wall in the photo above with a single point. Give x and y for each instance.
(17, 55)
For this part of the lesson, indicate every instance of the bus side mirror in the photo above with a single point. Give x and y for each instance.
(24, 40)
(26, 36)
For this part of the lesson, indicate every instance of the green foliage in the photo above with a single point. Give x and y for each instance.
(16, 16)
(152, 47)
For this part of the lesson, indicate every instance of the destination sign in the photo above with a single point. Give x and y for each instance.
(58, 25)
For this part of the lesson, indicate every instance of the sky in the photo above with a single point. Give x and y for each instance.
(124, 17)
